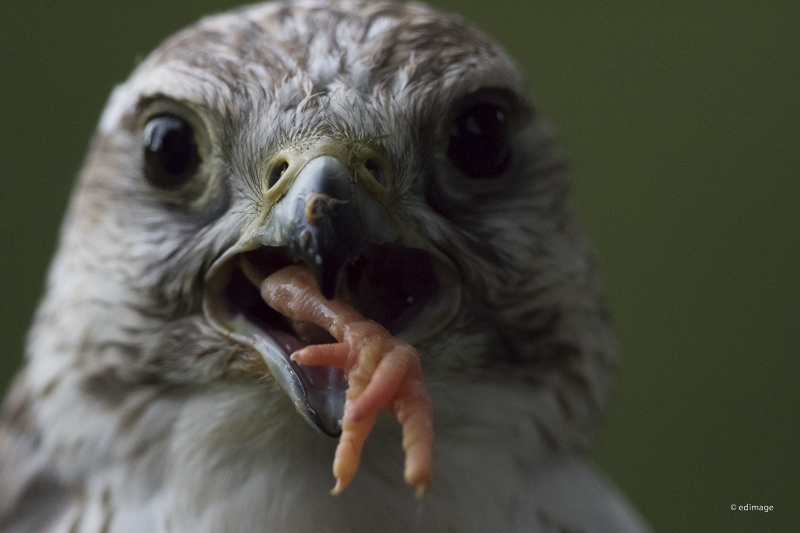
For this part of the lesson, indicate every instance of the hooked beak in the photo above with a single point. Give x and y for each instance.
(324, 224)
(333, 218)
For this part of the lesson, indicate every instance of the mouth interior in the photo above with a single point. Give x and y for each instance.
(406, 290)
(388, 284)
(242, 297)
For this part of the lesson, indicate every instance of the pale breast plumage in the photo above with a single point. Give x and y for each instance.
(158, 394)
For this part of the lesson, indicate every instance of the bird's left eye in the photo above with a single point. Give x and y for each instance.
(479, 144)
(171, 154)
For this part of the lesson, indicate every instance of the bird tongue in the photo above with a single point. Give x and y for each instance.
(305, 333)
(317, 377)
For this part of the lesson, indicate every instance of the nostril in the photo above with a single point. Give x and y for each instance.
(277, 171)
(376, 170)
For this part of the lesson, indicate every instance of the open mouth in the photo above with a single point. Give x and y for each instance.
(409, 291)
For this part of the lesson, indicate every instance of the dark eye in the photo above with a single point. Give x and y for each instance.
(479, 144)
(170, 152)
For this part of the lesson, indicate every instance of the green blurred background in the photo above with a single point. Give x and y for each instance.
(683, 126)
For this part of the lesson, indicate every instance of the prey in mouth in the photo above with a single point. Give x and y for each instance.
(330, 294)
(384, 373)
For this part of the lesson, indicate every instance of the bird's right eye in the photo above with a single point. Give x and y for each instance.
(171, 154)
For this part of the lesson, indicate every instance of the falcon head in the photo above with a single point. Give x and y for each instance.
(389, 148)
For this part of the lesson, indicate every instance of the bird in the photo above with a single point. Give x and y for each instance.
(383, 157)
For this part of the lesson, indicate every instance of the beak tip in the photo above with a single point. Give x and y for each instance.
(329, 294)
(325, 276)
(327, 286)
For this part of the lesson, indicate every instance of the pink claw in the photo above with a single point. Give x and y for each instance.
(383, 373)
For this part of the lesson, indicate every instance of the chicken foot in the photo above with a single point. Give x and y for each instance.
(383, 373)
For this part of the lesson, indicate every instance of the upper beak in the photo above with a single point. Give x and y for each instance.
(324, 215)
(329, 205)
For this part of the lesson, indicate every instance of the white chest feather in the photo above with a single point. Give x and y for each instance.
(238, 459)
